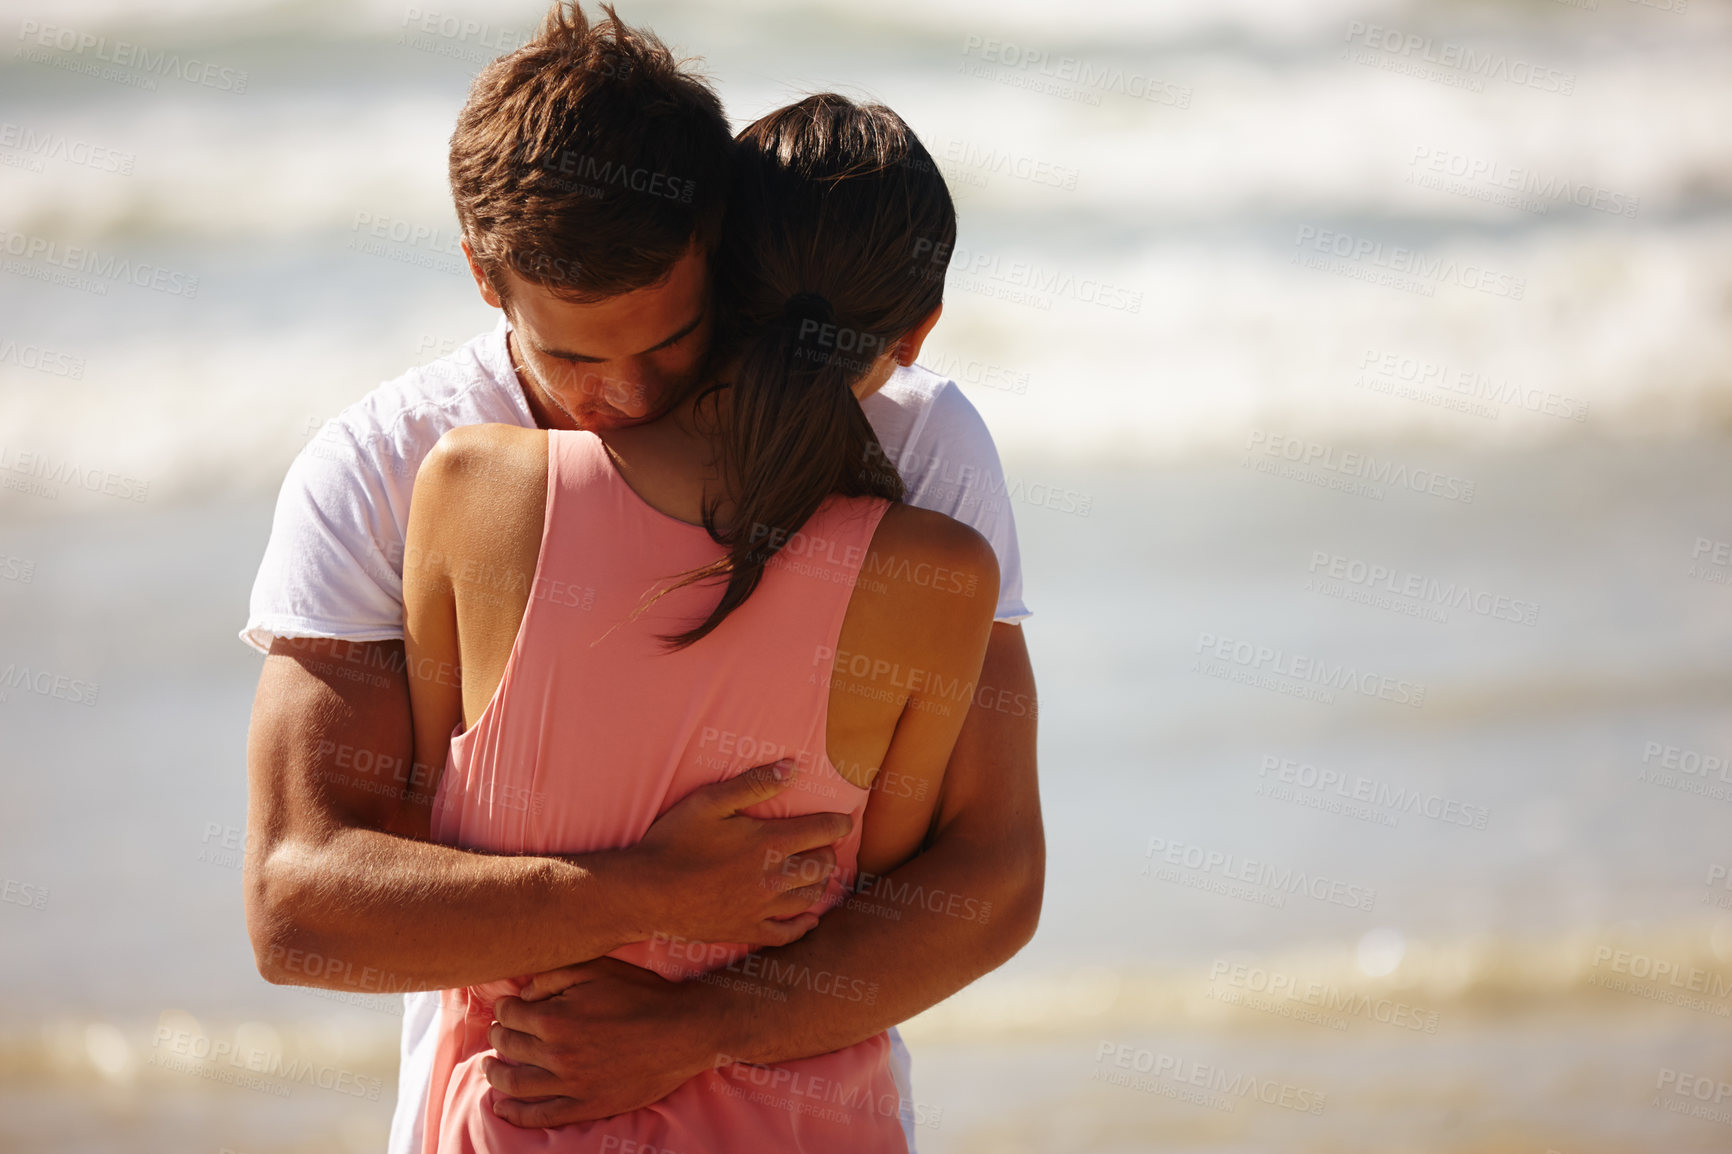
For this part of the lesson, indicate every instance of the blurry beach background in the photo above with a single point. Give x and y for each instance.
(1387, 337)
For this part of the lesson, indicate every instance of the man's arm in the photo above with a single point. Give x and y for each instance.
(336, 899)
(619, 1039)
(987, 851)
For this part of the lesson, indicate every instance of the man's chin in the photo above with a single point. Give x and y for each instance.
(609, 422)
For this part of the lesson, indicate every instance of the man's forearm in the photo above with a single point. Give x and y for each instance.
(912, 938)
(335, 901)
(345, 890)
(881, 957)
(365, 910)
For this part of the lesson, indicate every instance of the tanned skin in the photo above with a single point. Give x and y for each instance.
(339, 896)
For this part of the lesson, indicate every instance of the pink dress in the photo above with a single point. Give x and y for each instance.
(596, 730)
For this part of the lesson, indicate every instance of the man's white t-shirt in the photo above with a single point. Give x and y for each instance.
(333, 565)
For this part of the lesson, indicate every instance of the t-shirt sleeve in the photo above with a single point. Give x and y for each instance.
(332, 567)
(952, 467)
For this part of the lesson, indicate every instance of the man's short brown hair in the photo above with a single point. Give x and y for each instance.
(588, 160)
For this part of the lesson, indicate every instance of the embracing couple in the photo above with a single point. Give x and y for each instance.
(645, 688)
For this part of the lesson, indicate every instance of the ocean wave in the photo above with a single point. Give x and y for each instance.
(1426, 988)
(1378, 989)
(1138, 279)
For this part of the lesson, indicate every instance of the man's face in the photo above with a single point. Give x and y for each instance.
(607, 364)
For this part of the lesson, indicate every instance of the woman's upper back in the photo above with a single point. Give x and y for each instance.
(856, 656)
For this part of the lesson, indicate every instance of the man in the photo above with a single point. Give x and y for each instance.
(589, 173)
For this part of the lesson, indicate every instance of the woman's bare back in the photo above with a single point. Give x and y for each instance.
(901, 674)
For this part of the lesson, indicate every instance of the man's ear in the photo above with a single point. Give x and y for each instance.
(908, 348)
(488, 293)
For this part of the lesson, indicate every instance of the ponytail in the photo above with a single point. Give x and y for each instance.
(821, 274)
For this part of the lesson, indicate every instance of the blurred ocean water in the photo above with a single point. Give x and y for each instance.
(1384, 739)
(1140, 189)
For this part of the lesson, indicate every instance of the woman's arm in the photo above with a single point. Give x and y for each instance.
(925, 632)
(479, 506)
(430, 634)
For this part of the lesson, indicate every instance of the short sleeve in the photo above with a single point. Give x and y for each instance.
(951, 466)
(332, 567)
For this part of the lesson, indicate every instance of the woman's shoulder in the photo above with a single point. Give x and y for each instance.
(478, 450)
(477, 479)
(926, 552)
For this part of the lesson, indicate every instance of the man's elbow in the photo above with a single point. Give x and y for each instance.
(279, 921)
(1023, 889)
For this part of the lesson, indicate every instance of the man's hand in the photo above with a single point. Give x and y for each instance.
(339, 895)
(592, 1040)
(637, 1038)
(717, 875)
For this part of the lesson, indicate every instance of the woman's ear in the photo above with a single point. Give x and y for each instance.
(908, 348)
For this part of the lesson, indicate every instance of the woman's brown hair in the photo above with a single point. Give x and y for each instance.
(838, 232)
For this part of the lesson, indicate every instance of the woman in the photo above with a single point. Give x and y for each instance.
(736, 577)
